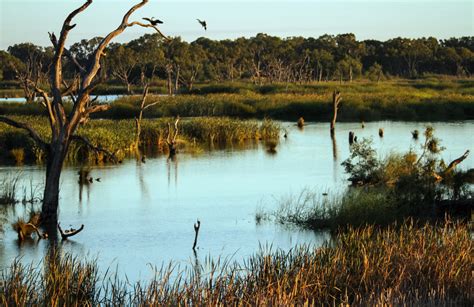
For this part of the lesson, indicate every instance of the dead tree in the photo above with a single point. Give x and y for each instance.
(300, 123)
(336, 100)
(64, 124)
(30, 77)
(171, 141)
(196, 233)
(451, 166)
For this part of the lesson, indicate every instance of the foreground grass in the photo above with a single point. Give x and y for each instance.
(399, 265)
(118, 136)
(413, 100)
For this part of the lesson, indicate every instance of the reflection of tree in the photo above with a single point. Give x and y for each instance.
(172, 160)
(84, 181)
(196, 268)
(141, 180)
(334, 155)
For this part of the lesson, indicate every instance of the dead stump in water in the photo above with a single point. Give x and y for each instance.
(300, 122)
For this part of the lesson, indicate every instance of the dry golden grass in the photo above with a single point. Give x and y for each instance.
(403, 264)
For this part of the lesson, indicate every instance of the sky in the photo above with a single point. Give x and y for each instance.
(31, 20)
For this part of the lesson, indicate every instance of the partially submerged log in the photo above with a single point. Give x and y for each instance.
(69, 232)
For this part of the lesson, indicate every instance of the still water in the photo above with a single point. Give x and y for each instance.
(100, 98)
(143, 213)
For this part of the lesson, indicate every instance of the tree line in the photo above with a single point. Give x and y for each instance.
(261, 59)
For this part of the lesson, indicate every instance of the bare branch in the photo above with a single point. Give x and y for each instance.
(97, 108)
(48, 105)
(137, 23)
(57, 73)
(82, 139)
(455, 162)
(32, 132)
(176, 129)
(150, 105)
(69, 233)
(67, 53)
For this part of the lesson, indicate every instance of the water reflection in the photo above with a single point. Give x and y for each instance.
(172, 169)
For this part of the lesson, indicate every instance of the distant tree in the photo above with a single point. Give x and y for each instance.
(122, 61)
(9, 64)
(375, 72)
(33, 70)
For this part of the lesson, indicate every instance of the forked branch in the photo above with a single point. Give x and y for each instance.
(69, 232)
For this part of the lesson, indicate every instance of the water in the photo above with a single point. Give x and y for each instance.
(141, 214)
(101, 98)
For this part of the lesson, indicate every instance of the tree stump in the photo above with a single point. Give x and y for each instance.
(300, 122)
(351, 137)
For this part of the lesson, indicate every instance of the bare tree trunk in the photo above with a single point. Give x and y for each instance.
(336, 99)
(176, 82)
(55, 160)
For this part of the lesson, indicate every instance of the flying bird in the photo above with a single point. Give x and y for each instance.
(203, 23)
(153, 21)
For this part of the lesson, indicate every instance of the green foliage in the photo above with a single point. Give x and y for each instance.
(362, 165)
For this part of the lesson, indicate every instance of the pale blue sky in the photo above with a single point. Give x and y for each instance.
(30, 20)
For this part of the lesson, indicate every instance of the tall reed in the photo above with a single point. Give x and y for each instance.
(399, 265)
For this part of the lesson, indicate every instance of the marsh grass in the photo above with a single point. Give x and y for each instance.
(411, 100)
(399, 265)
(118, 136)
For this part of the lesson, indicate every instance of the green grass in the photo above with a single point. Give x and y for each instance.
(413, 100)
(399, 265)
(118, 136)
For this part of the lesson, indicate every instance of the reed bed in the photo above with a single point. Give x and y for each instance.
(399, 265)
(118, 136)
(413, 100)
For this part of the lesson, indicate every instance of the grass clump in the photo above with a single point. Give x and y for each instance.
(399, 265)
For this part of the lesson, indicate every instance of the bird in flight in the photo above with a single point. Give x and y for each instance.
(153, 21)
(203, 23)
